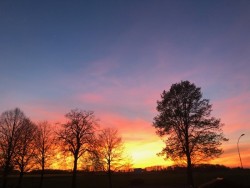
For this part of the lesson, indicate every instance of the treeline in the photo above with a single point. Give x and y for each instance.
(27, 146)
(199, 167)
(196, 167)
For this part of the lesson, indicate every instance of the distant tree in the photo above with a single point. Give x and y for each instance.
(77, 135)
(25, 150)
(10, 124)
(110, 150)
(45, 143)
(127, 164)
(91, 160)
(192, 134)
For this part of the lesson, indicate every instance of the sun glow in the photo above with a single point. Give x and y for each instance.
(140, 155)
(145, 154)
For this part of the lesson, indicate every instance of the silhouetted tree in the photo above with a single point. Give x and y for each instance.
(25, 150)
(10, 124)
(45, 143)
(110, 150)
(91, 160)
(184, 117)
(127, 164)
(77, 135)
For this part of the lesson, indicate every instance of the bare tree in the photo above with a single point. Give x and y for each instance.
(77, 135)
(127, 164)
(110, 150)
(184, 117)
(45, 143)
(10, 123)
(25, 150)
(91, 161)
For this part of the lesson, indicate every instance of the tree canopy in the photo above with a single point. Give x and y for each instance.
(110, 150)
(78, 135)
(192, 134)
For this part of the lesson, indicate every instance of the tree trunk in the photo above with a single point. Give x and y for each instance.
(41, 179)
(190, 180)
(109, 176)
(5, 174)
(74, 173)
(4, 179)
(20, 179)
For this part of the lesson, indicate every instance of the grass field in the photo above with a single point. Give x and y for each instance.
(132, 180)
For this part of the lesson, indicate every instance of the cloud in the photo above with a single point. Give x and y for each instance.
(230, 157)
(129, 127)
(234, 112)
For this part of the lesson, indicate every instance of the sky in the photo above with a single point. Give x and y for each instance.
(117, 57)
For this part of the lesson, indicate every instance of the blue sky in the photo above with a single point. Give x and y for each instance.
(116, 58)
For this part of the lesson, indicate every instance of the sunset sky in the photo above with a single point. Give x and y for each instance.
(117, 57)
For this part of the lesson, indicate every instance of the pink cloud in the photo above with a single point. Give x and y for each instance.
(234, 112)
(131, 129)
(230, 157)
(39, 113)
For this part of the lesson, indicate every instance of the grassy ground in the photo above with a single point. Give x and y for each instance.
(132, 180)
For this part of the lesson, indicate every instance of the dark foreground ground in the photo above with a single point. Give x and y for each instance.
(232, 178)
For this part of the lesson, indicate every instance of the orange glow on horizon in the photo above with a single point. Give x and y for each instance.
(145, 154)
(142, 144)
